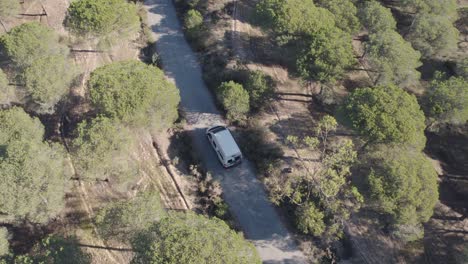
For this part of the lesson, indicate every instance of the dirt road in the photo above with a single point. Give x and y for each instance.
(242, 191)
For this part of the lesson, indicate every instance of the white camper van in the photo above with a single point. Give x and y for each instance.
(224, 145)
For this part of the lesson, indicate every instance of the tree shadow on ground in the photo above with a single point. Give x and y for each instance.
(244, 13)
(431, 66)
(443, 242)
(299, 125)
(450, 146)
(181, 152)
(264, 50)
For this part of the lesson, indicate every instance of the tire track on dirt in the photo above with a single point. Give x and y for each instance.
(90, 213)
(150, 150)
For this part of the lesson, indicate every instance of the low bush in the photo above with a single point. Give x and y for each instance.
(260, 88)
(235, 100)
(193, 20)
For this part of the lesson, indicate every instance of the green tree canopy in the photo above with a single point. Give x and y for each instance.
(433, 35)
(9, 8)
(102, 150)
(345, 13)
(448, 100)
(446, 8)
(4, 243)
(47, 80)
(386, 114)
(193, 20)
(376, 18)
(322, 51)
(192, 239)
(293, 17)
(29, 42)
(7, 92)
(136, 93)
(234, 99)
(388, 53)
(310, 220)
(102, 17)
(394, 59)
(403, 184)
(122, 219)
(327, 56)
(432, 31)
(34, 174)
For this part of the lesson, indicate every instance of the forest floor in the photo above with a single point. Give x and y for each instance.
(85, 198)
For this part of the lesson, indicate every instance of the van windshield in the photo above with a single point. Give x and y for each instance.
(217, 129)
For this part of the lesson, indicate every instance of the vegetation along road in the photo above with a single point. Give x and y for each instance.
(243, 192)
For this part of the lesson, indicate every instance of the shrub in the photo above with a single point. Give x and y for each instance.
(221, 209)
(234, 99)
(193, 20)
(260, 88)
(309, 219)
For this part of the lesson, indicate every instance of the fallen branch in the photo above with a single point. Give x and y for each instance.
(34, 15)
(86, 50)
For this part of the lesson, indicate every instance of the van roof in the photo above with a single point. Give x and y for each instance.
(228, 145)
